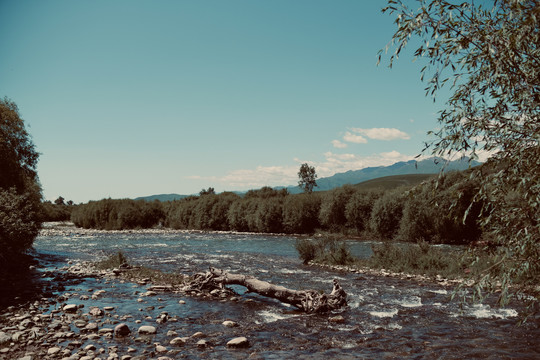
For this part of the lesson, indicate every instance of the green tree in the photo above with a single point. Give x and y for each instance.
(20, 193)
(488, 53)
(307, 177)
(59, 201)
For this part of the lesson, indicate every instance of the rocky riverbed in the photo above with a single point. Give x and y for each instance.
(68, 326)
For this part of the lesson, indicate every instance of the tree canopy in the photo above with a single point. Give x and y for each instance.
(20, 193)
(307, 177)
(488, 54)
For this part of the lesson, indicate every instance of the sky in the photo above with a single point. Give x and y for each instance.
(129, 98)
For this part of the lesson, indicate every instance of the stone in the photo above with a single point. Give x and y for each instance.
(202, 343)
(91, 327)
(181, 302)
(105, 331)
(122, 330)
(171, 333)
(90, 347)
(337, 319)
(238, 342)
(70, 308)
(95, 311)
(161, 349)
(147, 330)
(4, 338)
(178, 341)
(198, 334)
(229, 323)
(53, 351)
(108, 308)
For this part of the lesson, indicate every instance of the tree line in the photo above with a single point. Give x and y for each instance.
(433, 211)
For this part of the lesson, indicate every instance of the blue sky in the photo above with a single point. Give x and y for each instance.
(132, 98)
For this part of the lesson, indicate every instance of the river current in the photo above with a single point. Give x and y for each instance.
(386, 317)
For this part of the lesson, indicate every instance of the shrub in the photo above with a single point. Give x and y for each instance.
(325, 250)
(386, 214)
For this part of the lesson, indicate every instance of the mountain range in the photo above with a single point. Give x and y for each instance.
(427, 166)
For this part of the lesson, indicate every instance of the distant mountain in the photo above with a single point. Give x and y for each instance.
(163, 197)
(428, 166)
(386, 175)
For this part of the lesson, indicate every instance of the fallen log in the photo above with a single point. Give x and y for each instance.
(309, 301)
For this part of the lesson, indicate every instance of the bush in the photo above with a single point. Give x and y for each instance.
(301, 213)
(19, 221)
(386, 214)
(333, 205)
(325, 250)
(359, 207)
(420, 258)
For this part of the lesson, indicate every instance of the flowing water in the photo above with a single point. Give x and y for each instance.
(386, 317)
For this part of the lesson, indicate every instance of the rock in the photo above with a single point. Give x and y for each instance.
(161, 349)
(239, 342)
(4, 338)
(79, 323)
(171, 333)
(70, 308)
(337, 319)
(27, 357)
(95, 311)
(229, 323)
(202, 343)
(91, 327)
(122, 330)
(105, 331)
(150, 293)
(147, 330)
(198, 334)
(53, 351)
(181, 302)
(179, 341)
(90, 347)
(108, 308)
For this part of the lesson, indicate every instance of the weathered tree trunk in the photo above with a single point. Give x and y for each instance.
(309, 301)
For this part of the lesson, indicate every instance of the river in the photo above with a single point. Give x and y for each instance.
(386, 318)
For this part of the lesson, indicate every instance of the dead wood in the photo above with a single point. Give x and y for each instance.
(310, 301)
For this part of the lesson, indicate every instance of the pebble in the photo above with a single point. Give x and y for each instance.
(238, 342)
(198, 334)
(179, 341)
(147, 330)
(229, 323)
(70, 308)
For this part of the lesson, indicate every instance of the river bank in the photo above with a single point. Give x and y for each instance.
(389, 315)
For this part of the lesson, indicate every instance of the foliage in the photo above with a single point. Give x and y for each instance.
(420, 258)
(308, 178)
(111, 214)
(20, 192)
(333, 205)
(324, 250)
(435, 212)
(301, 213)
(55, 212)
(19, 221)
(386, 214)
(18, 157)
(490, 58)
(359, 207)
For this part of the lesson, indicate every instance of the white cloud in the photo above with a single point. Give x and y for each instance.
(357, 139)
(338, 144)
(382, 133)
(244, 179)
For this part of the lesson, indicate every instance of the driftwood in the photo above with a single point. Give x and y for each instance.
(310, 301)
